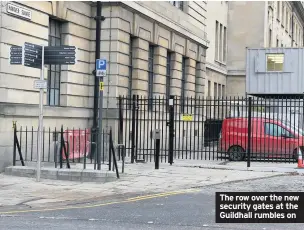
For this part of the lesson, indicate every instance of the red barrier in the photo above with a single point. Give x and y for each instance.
(75, 143)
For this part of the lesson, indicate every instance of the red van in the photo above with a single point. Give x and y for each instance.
(269, 138)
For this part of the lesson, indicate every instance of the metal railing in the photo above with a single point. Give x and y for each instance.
(69, 148)
(212, 128)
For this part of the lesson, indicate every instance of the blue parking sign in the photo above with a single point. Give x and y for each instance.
(101, 67)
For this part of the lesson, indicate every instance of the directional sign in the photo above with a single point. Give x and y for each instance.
(32, 55)
(16, 55)
(101, 67)
(60, 55)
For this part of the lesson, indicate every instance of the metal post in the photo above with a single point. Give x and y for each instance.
(15, 146)
(96, 137)
(249, 133)
(171, 128)
(157, 148)
(133, 129)
(40, 144)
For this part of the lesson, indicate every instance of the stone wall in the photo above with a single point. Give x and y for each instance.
(142, 23)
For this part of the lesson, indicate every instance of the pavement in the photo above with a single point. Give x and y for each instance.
(138, 179)
(187, 209)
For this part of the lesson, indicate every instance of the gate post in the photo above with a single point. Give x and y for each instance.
(133, 129)
(15, 145)
(120, 126)
(171, 128)
(249, 132)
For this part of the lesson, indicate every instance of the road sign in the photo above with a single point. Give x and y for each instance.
(40, 84)
(101, 67)
(16, 55)
(32, 55)
(60, 55)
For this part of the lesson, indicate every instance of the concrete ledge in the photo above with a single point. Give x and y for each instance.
(81, 175)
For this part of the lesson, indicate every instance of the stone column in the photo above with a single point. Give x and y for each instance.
(200, 79)
(160, 62)
(140, 67)
(190, 78)
(176, 74)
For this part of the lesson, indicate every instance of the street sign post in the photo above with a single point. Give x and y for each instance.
(36, 56)
(15, 55)
(101, 71)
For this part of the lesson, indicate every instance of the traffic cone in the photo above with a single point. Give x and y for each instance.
(300, 161)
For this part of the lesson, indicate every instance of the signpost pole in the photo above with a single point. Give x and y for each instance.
(40, 144)
(101, 139)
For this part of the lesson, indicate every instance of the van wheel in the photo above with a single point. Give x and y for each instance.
(236, 153)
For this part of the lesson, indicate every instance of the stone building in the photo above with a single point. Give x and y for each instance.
(152, 48)
(216, 58)
(256, 24)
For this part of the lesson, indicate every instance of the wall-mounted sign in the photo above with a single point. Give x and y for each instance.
(19, 11)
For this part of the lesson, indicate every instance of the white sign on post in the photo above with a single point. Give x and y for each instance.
(40, 84)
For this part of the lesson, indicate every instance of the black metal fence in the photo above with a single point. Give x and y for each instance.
(67, 148)
(233, 129)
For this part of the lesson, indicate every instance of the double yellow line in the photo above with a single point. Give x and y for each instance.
(129, 200)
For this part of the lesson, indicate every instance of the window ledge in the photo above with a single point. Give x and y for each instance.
(221, 63)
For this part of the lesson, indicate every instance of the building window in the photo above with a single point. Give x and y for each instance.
(178, 4)
(151, 77)
(209, 89)
(216, 40)
(183, 84)
(168, 75)
(223, 91)
(290, 23)
(219, 90)
(215, 91)
(278, 10)
(283, 14)
(225, 44)
(270, 38)
(53, 93)
(221, 43)
(275, 62)
(277, 43)
(130, 65)
(286, 21)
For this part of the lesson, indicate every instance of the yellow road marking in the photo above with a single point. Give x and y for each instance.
(129, 200)
(162, 194)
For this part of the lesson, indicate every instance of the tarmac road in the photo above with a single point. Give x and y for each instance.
(193, 209)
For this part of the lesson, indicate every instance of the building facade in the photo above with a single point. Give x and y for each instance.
(216, 59)
(152, 48)
(259, 24)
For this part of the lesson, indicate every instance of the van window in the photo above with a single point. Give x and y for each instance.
(275, 130)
